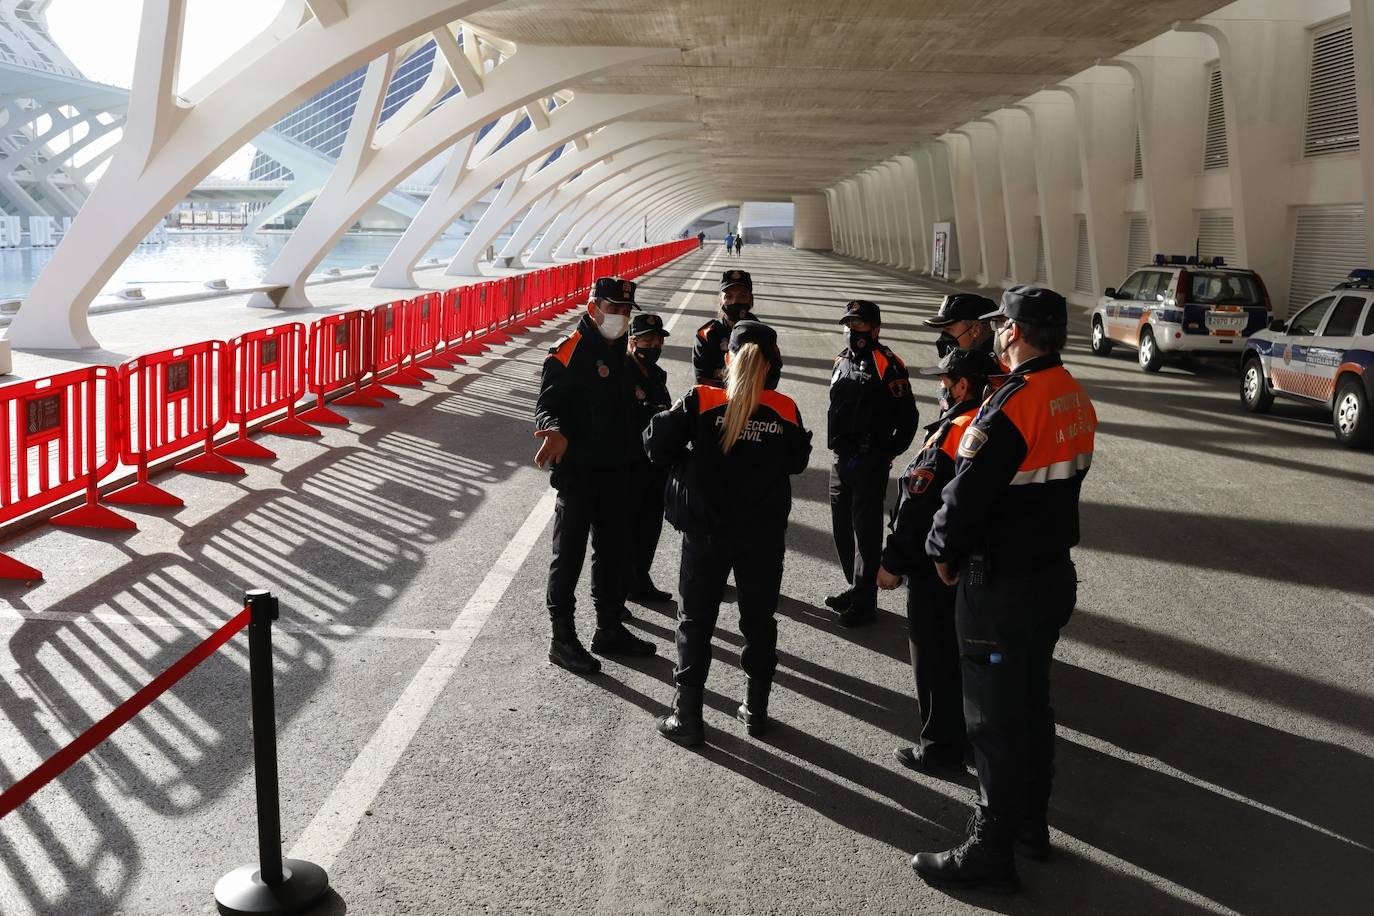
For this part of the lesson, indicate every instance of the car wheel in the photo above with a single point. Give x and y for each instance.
(1150, 357)
(1101, 343)
(1350, 415)
(1254, 390)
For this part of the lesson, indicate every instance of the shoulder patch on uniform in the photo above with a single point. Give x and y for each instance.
(919, 481)
(972, 442)
(899, 387)
(563, 350)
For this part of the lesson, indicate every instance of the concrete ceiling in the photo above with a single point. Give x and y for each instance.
(794, 95)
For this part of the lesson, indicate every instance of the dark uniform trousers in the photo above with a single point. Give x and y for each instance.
(1017, 616)
(590, 500)
(858, 496)
(646, 521)
(935, 660)
(706, 562)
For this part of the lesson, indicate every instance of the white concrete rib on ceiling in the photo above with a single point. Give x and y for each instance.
(795, 95)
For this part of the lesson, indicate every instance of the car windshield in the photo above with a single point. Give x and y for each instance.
(1224, 288)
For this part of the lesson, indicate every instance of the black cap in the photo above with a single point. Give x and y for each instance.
(755, 332)
(960, 307)
(863, 310)
(646, 323)
(962, 363)
(736, 278)
(614, 289)
(1038, 305)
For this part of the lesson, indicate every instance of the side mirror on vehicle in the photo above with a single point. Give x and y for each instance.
(1110, 292)
(1278, 324)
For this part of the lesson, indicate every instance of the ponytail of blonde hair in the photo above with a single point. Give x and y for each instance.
(744, 379)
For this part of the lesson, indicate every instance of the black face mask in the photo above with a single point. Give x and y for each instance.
(649, 355)
(860, 342)
(944, 343)
(736, 310)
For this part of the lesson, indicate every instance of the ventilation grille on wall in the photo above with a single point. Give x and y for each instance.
(1138, 243)
(1083, 268)
(1333, 121)
(1329, 242)
(1214, 154)
(1137, 169)
(1216, 235)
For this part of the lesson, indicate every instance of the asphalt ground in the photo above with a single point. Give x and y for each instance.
(1214, 688)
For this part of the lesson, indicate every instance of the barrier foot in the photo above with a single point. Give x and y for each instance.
(10, 568)
(414, 371)
(243, 891)
(143, 494)
(471, 348)
(291, 426)
(375, 390)
(357, 399)
(400, 380)
(210, 463)
(94, 516)
(498, 337)
(246, 448)
(436, 361)
(322, 414)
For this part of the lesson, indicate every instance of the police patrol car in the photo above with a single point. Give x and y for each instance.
(1181, 304)
(1322, 355)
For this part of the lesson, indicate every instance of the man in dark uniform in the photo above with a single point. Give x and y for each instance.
(713, 337)
(930, 602)
(872, 419)
(586, 419)
(649, 384)
(1003, 534)
(961, 324)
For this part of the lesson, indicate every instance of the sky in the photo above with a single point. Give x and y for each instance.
(100, 37)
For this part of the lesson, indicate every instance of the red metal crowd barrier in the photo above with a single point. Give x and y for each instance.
(63, 434)
(266, 376)
(169, 401)
(338, 358)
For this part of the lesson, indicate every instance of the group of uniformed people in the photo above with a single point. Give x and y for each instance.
(980, 533)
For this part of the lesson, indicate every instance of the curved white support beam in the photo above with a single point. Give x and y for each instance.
(174, 139)
(469, 175)
(628, 226)
(560, 202)
(632, 203)
(605, 142)
(367, 170)
(665, 224)
(607, 194)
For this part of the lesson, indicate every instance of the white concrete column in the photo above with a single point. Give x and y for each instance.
(1264, 66)
(1055, 144)
(1018, 190)
(811, 222)
(915, 218)
(966, 225)
(1104, 107)
(985, 162)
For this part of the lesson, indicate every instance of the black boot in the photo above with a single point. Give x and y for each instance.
(929, 761)
(857, 617)
(984, 860)
(566, 651)
(611, 638)
(1033, 838)
(648, 593)
(841, 601)
(754, 711)
(684, 724)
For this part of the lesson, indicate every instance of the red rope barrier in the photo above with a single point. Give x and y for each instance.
(82, 744)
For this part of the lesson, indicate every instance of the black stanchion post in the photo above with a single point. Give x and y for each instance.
(274, 885)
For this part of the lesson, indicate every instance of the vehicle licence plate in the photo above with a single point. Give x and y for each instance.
(1226, 323)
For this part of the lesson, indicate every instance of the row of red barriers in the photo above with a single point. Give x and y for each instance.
(62, 435)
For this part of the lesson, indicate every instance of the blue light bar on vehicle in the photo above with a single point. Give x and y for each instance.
(1361, 273)
(1163, 259)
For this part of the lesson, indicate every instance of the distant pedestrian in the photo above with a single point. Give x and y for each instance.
(729, 243)
(739, 244)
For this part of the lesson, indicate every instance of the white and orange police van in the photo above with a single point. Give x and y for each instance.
(1181, 304)
(1322, 355)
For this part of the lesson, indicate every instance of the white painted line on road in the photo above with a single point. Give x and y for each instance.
(325, 837)
(687, 297)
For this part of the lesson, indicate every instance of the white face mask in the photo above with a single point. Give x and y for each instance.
(613, 326)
